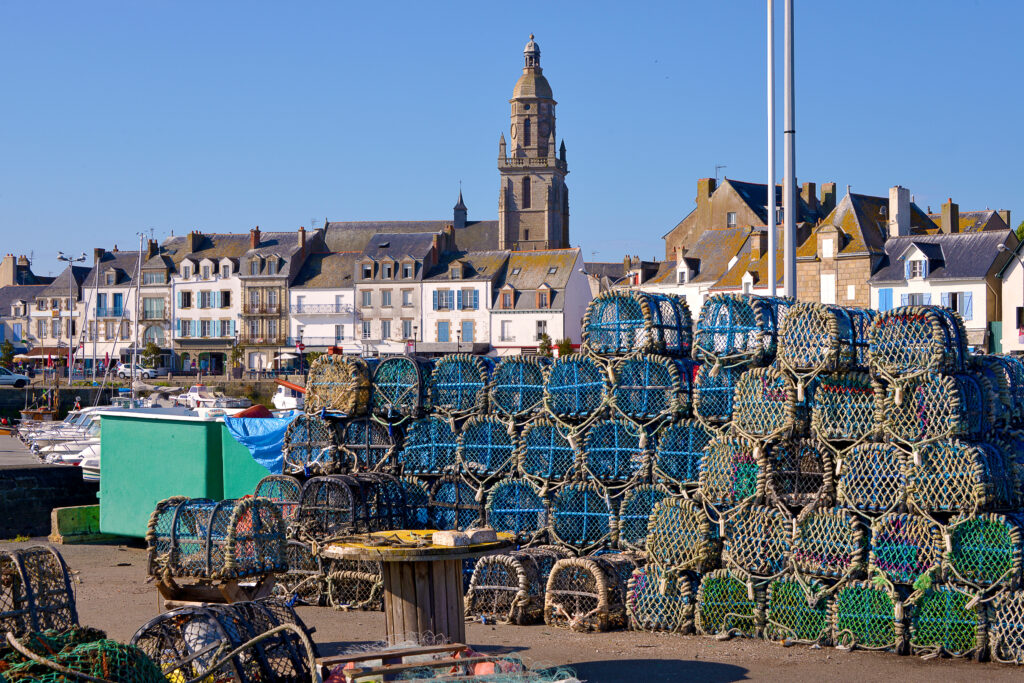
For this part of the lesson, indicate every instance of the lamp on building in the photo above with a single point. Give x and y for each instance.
(458, 340)
(415, 337)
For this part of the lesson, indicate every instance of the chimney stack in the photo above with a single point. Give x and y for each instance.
(192, 240)
(152, 249)
(808, 192)
(758, 244)
(1005, 215)
(899, 211)
(705, 188)
(828, 198)
(950, 217)
(97, 254)
(254, 237)
(302, 237)
(8, 271)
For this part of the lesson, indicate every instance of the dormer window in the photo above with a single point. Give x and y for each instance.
(110, 278)
(254, 267)
(206, 272)
(386, 271)
(516, 271)
(225, 270)
(456, 272)
(543, 299)
(186, 272)
(407, 271)
(367, 271)
(506, 300)
(915, 269)
(272, 267)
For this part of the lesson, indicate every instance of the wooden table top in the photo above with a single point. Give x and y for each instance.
(410, 545)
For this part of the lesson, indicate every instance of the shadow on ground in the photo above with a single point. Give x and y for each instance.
(651, 670)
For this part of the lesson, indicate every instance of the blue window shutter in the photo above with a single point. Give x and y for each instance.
(927, 299)
(435, 299)
(924, 268)
(216, 328)
(944, 299)
(906, 269)
(180, 300)
(885, 299)
(232, 328)
(476, 299)
(903, 299)
(177, 325)
(458, 296)
(968, 312)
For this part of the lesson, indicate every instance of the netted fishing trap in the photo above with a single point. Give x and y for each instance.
(935, 406)
(911, 340)
(545, 452)
(577, 387)
(800, 472)
(679, 452)
(35, 591)
(400, 387)
(430, 447)
(455, 504)
(342, 504)
(1006, 628)
(659, 599)
(830, 543)
(985, 551)
(739, 329)
(797, 611)
(304, 580)
(820, 338)
(765, 405)
(681, 536)
(731, 473)
(588, 593)
(955, 476)
(757, 541)
(353, 584)
(729, 605)
(74, 654)
(905, 547)
(714, 393)
(366, 444)
(191, 643)
(486, 448)
(843, 408)
(582, 516)
(868, 616)
(648, 387)
(229, 539)
(458, 385)
(616, 451)
(284, 491)
(625, 321)
(338, 385)
(417, 502)
(1013, 366)
(515, 506)
(870, 478)
(947, 621)
(517, 386)
(634, 515)
(509, 587)
(310, 445)
(995, 375)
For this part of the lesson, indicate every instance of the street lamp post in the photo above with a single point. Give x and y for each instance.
(458, 340)
(71, 261)
(415, 337)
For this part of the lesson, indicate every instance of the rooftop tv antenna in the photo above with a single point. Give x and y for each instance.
(718, 167)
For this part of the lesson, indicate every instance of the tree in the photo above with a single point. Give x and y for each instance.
(7, 354)
(544, 346)
(564, 347)
(1020, 231)
(150, 355)
(236, 355)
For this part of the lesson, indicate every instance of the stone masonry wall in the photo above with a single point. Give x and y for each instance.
(28, 494)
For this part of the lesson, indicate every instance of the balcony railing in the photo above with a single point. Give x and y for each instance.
(109, 311)
(264, 340)
(317, 341)
(261, 309)
(153, 314)
(196, 335)
(320, 309)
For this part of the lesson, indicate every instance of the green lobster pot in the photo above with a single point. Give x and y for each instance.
(792, 616)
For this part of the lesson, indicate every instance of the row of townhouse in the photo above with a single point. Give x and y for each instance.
(862, 250)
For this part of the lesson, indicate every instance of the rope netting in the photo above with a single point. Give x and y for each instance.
(997, 379)
(682, 536)
(367, 444)
(1013, 366)
(757, 541)
(946, 621)
(417, 502)
(985, 550)
(486, 447)
(577, 387)
(952, 476)
(400, 386)
(588, 593)
(73, 654)
(338, 385)
(430, 447)
(35, 591)
(868, 616)
(871, 478)
(628, 321)
(933, 406)
(515, 506)
(800, 472)
(545, 452)
(581, 516)
(765, 404)
(648, 387)
(229, 539)
(911, 340)
(509, 587)
(634, 514)
(660, 600)
(680, 450)
(616, 451)
(797, 612)
(354, 585)
(729, 605)
(517, 386)
(830, 543)
(458, 385)
(304, 579)
(338, 505)
(283, 490)
(1006, 627)
(309, 445)
(843, 407)
(905, 547)
(739, 329)
(714, 395)
(817, 338)
(731, 473)
(454, 504)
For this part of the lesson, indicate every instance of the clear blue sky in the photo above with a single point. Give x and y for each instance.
(124, 116)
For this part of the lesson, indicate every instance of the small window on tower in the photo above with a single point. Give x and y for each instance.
(526, 132)
(526, 192)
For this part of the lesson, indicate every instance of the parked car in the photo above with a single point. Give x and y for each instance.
(123, 370)
(8, 378)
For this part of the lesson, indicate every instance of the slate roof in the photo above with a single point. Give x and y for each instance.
(327, 271)
(755, 195)
(398, 245)
(122, 262)
(59, 287)
(972, 255)
(613, 271)
(733, 279)
(715, 249)
(355, 235)
(214, 246)
(527, 271)
(974, 221)
(666, 274)
(12, 293)
(864, 222)
(478, 265)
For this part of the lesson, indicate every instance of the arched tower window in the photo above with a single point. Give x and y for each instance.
(526, 192)
(526, 133)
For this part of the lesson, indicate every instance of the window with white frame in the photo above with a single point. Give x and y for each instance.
(385, 329)
(204, 328)
(272, 266)
(385, 297)
(386, 271)
(225, 270)
(186, 272)
(407, 270)
(916, 268)
(915, 299)
(366, 297)
(407, 297)
(406, 329)
(730, 219)
(206, 272)
(366, 329)
(542, 328)
(506, 331)
(339, 333)
(367, 271)
(272, 328)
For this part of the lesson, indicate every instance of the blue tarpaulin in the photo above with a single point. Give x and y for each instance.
(263, 436)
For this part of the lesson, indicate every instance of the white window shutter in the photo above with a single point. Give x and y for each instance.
(968, 312)
(904, 299)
